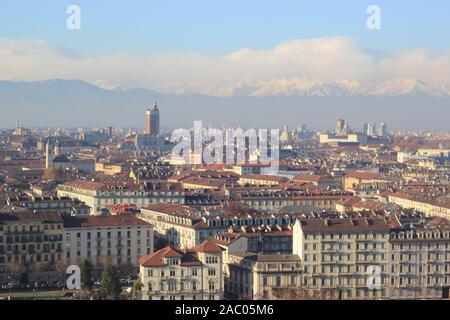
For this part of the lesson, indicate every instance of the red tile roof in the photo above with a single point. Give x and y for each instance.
(208, 247)
(188, 258)
(122, 220)
(354, 225)
(363, 175)
(156, 259)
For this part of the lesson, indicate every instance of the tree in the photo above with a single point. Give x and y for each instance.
(15, 270)
(60, 268)
(53, 174)
(37, 270)
(109, 284)
(86, 275)
(137, 288)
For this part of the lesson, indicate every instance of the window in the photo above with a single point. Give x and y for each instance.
(172, 285)
(278, 281)
(293, 280)
(212, 285)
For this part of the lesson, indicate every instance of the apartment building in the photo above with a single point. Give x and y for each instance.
(259, 276)
(420, 262)
(181, 226)
(31, 244)
(275, 200)
(354, 178)
(190, 274)
(118, 240)
(184, 227)
(269, 239)
(63, 205)
(99, 194)
(262, 180)
(339, 255)
(430, 205)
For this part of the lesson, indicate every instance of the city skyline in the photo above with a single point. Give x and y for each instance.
(314, 61)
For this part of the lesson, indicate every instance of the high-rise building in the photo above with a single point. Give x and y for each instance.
(340, 125)
(152, 121)
(382, 130)
(371, 128)
(364, 127)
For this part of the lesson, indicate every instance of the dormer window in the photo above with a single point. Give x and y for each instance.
(172, 261)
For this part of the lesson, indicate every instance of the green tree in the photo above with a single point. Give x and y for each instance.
(86, 275)
(109, 284)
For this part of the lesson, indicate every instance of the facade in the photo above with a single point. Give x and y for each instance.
(62, 205)
(119, 240)
(338, 254)
(30, 244)
(275, 200)
(185, 227)
(347, 139)
(259, 276)
(431, 206)
(181, 226)
(342, 256)
(262, 180)
(354, 178)
(267, 239)
(98, 195)
(191, 274)
(420, 263)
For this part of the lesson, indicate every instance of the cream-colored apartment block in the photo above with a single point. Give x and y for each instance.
(191, 274)
(341, 256)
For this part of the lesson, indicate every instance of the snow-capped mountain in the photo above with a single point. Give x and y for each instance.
(314, 88)
(247, 103)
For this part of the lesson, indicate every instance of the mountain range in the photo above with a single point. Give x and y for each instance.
(313, 88)
(402, 103)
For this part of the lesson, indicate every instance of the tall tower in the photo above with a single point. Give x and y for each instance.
(364, 127)
(152, 121)
(371, 129)
(382, 131)
(49, 156)
(148, 123)
(342, 127)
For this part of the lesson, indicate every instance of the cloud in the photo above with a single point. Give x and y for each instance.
(324, 59)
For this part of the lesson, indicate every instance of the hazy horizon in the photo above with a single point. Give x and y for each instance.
(233, 59)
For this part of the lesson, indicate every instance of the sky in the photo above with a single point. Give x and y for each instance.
(212, 47)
